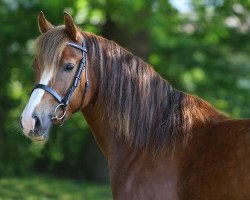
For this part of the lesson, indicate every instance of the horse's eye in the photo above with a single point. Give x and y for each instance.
(69, 67)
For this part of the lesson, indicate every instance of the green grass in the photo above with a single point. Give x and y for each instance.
(48, 188)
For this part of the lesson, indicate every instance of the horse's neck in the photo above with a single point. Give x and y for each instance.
(197, 113)
(188, 111)
(99, 126)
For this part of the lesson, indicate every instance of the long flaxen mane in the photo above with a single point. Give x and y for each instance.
(143, 108)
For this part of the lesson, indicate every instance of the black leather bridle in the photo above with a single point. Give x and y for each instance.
(64, 101)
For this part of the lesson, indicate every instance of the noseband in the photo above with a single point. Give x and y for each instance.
(64, 101)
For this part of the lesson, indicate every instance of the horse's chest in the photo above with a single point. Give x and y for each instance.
(144, 180)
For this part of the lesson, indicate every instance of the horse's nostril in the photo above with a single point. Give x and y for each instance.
(37, 123)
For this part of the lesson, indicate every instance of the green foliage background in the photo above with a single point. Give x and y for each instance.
(204, 51)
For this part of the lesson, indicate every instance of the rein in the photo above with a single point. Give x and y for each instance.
(64, 101)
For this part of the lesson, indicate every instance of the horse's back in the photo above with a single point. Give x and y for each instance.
(217, 164)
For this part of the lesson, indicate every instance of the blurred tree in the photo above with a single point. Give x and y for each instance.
(203, 50)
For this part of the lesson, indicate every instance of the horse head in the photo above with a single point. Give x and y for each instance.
(62, 78)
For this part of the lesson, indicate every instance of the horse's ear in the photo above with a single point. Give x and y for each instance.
(43, 24)
(71, 28)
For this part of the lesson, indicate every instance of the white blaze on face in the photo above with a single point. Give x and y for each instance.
(27, 120)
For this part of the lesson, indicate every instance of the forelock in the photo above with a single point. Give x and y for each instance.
(49, 46)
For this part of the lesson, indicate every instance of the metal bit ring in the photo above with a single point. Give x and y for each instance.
(56, 117)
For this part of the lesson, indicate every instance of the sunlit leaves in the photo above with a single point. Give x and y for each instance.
(204, 51)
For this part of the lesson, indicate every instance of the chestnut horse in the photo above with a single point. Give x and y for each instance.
(160, 143)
